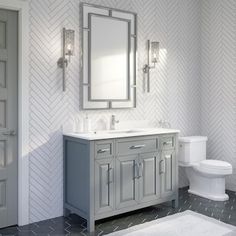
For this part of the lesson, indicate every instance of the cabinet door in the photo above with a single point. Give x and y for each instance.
(126, 181)
(104, 185)
(167, 171)
(149, 177)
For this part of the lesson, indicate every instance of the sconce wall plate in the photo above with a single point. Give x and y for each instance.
(68, 44)
(152, 57)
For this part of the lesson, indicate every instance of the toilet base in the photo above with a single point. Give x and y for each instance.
(210, 186)
(222, 197)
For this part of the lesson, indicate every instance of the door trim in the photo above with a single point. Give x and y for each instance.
(21, 6)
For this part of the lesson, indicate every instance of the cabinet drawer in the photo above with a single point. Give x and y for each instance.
(134, 146)
(103, 149)
(168, 142)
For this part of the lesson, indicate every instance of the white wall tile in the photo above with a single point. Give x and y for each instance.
(175, 84)
(218, 81)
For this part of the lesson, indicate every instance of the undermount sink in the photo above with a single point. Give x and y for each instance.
(124, 131)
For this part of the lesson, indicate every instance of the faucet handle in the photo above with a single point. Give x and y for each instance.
(164, 124)
(113, 118)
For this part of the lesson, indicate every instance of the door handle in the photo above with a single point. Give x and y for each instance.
(162, 167)
(137, 146)
(103, 150)
(110, 176)
(136, 171)
(9, 133)
(167, 143)
(140, 170)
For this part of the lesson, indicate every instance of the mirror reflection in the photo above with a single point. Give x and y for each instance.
(109, 68)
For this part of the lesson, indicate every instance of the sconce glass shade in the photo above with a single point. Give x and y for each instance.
(67, 50)
(154, 52)
(152, 58)
(69, 36)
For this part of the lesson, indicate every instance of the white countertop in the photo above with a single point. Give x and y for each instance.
(111, 134)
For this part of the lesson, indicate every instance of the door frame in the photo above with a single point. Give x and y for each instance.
(22, 7)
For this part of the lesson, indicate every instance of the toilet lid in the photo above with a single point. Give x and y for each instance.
(215, 164)
(192, 139)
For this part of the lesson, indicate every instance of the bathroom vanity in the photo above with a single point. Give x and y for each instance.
(113, 172)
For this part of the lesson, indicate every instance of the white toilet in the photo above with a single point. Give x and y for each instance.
(206, 177)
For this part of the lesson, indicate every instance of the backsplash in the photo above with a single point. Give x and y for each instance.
(175, 84)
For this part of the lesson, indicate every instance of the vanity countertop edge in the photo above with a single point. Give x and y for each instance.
(101, 135)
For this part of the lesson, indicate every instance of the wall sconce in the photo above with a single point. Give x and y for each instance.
(68, 44)
(152, 57)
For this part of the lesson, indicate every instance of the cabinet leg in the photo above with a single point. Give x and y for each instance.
(66, 212)
(175, 203)
(91, 226)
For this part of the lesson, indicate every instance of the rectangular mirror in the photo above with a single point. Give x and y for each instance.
(109, 58)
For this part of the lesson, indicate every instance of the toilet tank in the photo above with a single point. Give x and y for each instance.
(192, 149)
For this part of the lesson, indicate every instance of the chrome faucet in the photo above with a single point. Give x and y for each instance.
(113, 122)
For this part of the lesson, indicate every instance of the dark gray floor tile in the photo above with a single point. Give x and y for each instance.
(76, 226)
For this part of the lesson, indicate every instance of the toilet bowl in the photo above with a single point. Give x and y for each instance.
(206, 177)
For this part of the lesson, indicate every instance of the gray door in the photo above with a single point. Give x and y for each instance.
(8, 118)
(126, 181)
(167, 170)
(104, 185)
(150, 179)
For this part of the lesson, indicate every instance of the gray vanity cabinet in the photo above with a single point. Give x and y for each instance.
(126, 181)
(104, 185)
(137, 179)
(149, 177)
(167, 171)
(168, 166)
(103, 178)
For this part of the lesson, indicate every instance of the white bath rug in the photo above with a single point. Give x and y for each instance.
(187, 223)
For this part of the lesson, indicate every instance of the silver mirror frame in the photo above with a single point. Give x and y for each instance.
(131, 17)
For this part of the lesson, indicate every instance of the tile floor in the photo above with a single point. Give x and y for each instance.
(74, 225)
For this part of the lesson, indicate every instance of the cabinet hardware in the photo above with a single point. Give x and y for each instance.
(103, 150)
(162, 167)
(110, 176)
(9, 133)
(167, 143)
(136, 171)
(137, 146)
(140, 170)
(167, 156)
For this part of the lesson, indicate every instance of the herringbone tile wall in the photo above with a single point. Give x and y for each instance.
(218, 79)
(175, 85)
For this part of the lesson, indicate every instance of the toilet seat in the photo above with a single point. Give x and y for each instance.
(215, 167)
